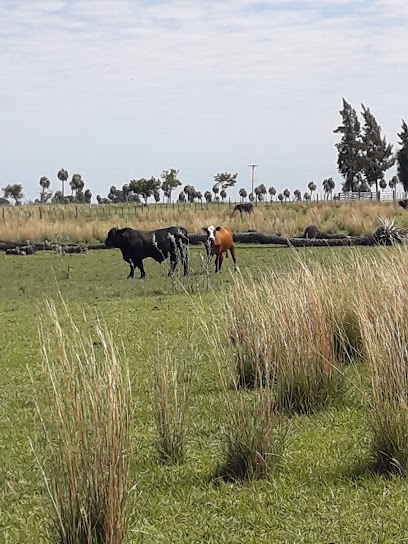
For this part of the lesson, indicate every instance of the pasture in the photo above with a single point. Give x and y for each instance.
(323, 491)
(90, 223)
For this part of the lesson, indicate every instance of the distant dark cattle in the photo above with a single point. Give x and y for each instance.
(243, 208)
(137, 245)
(403, 203)
(311, 232)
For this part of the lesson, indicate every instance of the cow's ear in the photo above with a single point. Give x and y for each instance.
(218, 228)
(204, 229)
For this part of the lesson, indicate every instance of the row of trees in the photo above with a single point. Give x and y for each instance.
(364, 154)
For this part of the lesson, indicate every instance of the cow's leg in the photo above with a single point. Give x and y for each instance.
(220, 258)
(173, 263)
(234, 256)
(184, 256)
(132, 268)
(140, 266)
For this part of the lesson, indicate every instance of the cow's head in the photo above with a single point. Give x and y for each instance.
(114, 238)
(403, 204)
(210, 232)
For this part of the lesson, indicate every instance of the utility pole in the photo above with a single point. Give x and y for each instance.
(253, 166)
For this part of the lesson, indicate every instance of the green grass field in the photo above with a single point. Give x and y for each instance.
(322, 494)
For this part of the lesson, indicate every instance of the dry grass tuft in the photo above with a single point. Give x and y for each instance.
(172, 385)
(87, 432)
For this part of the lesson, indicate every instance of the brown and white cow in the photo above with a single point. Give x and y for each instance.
(219, 241)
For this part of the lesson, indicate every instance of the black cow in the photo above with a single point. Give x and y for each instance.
(243, 208)
(137, 245)
(403, 203)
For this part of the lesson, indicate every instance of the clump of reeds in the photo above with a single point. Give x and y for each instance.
(381, 307)
(173, 374)
(283, 329)
(87, 432)
(254, 436)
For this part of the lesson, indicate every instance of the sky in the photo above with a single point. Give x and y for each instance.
(123, 89)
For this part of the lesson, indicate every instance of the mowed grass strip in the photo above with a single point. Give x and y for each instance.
(319, 495)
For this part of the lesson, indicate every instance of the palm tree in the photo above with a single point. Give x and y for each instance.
(312, 187)
(216, 190)
(306, 197)
(223, 194)
(393, 182)
(208, 196)
(182, 197)
(280, 197)
(88, 196)
(286, 194)
(76, 184)
(260, 191)
(328, 186)
(243, 194)
(45, 184)
(298, 195)
(62, 176)
(383, 184)
(272, 192)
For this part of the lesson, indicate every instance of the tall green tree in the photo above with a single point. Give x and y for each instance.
(243, 194)
(62, 176)
(170, 182)
(350, 152)
(260, 192)
(45, 185)
(224, 181)
(145, 188)
(328, 185)
(272, 192)
(14, 191)
(377, 154)
(402, 156)
(77, 185)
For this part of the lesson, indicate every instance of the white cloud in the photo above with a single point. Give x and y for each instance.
(144, 84)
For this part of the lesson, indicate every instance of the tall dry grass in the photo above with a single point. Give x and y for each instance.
(86, 430)
(173, 373)
(381, 307)
(92, 223)
(283, 329)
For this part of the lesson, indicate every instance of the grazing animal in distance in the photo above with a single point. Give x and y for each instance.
(219, 241)
(311, 232)
(159, 244)
(403, 203)
(243, 208)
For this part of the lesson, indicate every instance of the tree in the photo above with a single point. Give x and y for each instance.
(312, 187)
(223, 194)
(76, 184)
(280, 197)
(216, 190)
(199, 196)
(402, 156)
(190, 192)
(306, 197)
(62, 176)
(145, 188)
(286, 194)
(15, 192)
(208, 196)
(251, 197)
(377, 154)
(328, 186)
(272, 192)
(298, 195)
(45, 194)
(182, 197)
(170, 182)
(225, 180)
(383, 184)
(156, 196)
(88, 196)
(260, 191)
(350, 161)
(393, 182)
(243, 194)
